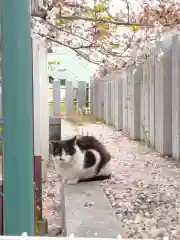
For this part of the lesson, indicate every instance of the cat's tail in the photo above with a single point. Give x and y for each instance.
(96, 178)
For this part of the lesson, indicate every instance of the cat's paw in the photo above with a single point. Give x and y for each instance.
(72, 181)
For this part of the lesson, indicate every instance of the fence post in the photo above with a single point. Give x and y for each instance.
(135, 104)
(129, 98)
(56, 98)
(87, 94)
(92, 96)
(37, 123)
(145, 99)
(152, 101)
(107, 101)
(125, 101)
(102, 100)
(118, 103)
(81, 94)
(176, 97)
(163, 99)
(17, 118)
(97, 99)
(69, 98)
(112, 99)
(142, 113)
(44, 108)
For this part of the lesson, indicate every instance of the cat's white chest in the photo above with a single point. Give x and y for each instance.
(74, 168)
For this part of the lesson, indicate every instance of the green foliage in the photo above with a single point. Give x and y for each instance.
(104, 26)
(115, 46)
(60, 21)
(107, 18)
(54, 63)
(62, 108)
(103, 30)
(135, 28)
(100, 8)
(1, 129)
(38, 217)
(104, 2)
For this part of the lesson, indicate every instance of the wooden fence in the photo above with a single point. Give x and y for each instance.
(68, 99)
(145, 102)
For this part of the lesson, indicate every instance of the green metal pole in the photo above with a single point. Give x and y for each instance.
(17, 118)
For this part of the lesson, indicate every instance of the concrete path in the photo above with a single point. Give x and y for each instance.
(144, 192)
(88, 211)
(68, 129)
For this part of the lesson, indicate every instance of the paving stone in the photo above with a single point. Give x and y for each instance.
(88, 212)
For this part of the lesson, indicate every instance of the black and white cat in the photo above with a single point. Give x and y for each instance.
(81, 158)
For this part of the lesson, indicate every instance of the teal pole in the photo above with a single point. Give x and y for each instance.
(17, 118)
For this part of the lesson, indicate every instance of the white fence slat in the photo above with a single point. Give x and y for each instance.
(81, 94)
(69, 98)
(56, 97)
(176, 97)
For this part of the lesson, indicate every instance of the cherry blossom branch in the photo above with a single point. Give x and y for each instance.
(100, 20)
(75, 49)
(102, 33)
(99, 47)
(92, 44)
(42, 14)
(128, 9)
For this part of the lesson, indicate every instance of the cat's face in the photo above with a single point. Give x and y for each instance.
(64, 150)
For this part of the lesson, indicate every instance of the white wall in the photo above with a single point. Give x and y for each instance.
(36, 96)
(77, 68)
(44, 108)
(41, 107)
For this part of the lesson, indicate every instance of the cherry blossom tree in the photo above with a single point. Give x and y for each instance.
(113, 34)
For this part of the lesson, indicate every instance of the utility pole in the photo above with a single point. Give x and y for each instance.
(17, 118)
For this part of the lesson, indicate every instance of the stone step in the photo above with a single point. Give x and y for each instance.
(88, 212)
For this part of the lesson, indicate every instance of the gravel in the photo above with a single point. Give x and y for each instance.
(144, 189)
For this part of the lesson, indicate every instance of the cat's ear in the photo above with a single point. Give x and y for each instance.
(55, 147)
(54, 142)
(73, 140)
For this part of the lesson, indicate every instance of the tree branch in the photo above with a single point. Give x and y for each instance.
(43, 12)
(128, 9)
(72, 48)
(94, 44)
(42, 15)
